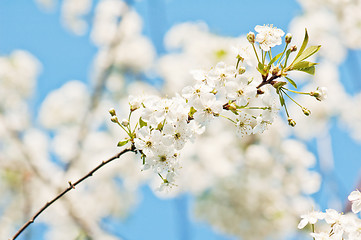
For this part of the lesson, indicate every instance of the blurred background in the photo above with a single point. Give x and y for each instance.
(63, 64)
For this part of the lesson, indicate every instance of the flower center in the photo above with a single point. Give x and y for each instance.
(162, 158)
(208, 110)
(177, 136)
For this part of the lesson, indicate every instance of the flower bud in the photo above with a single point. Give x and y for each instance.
(251, 37)
(241, 70)
(114, 119)
(125, 122)
(291, 122)
(293, 48)
(288, 38)
(112, 112)
(279, 84)
(320, 94)
(306, 111)
(276, 71)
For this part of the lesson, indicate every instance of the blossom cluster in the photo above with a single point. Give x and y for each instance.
(236, 92)
(341, 226)
(166, 124)
(235, 198)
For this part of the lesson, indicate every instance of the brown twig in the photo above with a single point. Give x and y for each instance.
(269, 81)
(71, 186)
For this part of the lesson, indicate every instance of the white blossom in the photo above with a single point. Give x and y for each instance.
(310, 218)
(355, 198)
(268, 36)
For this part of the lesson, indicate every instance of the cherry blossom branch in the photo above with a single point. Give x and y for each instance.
(71, 186)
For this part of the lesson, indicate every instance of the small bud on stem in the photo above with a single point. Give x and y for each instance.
(114, 119)
(112, 112)
(291, 122)
(125, 122)
(288, 38)
(306, 111)
(251, 37)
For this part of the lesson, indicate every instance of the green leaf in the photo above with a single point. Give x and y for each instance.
(142, 123)
(304, 44)
(307, 53)
(309, 70)
(302, 65)
(291, 81)
(288, 52)
(274, 59)
(261, 68)
(122, 143)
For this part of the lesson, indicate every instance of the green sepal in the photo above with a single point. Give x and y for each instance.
(142, 123)
(278, 85)
(291, 81)
(160, 126)
(192, 111)
(122, 143)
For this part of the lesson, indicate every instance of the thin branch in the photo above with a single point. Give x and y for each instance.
(71, 186)
(269, 81)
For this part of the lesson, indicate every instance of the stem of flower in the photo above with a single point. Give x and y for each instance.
(270, 55)
(263, 56)
(239, 59)
(284, 50)
(295, 91)
(291, 98)
(228, 118)
(259, 108)
(280, 93)
(313, 229)
(255, 52)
